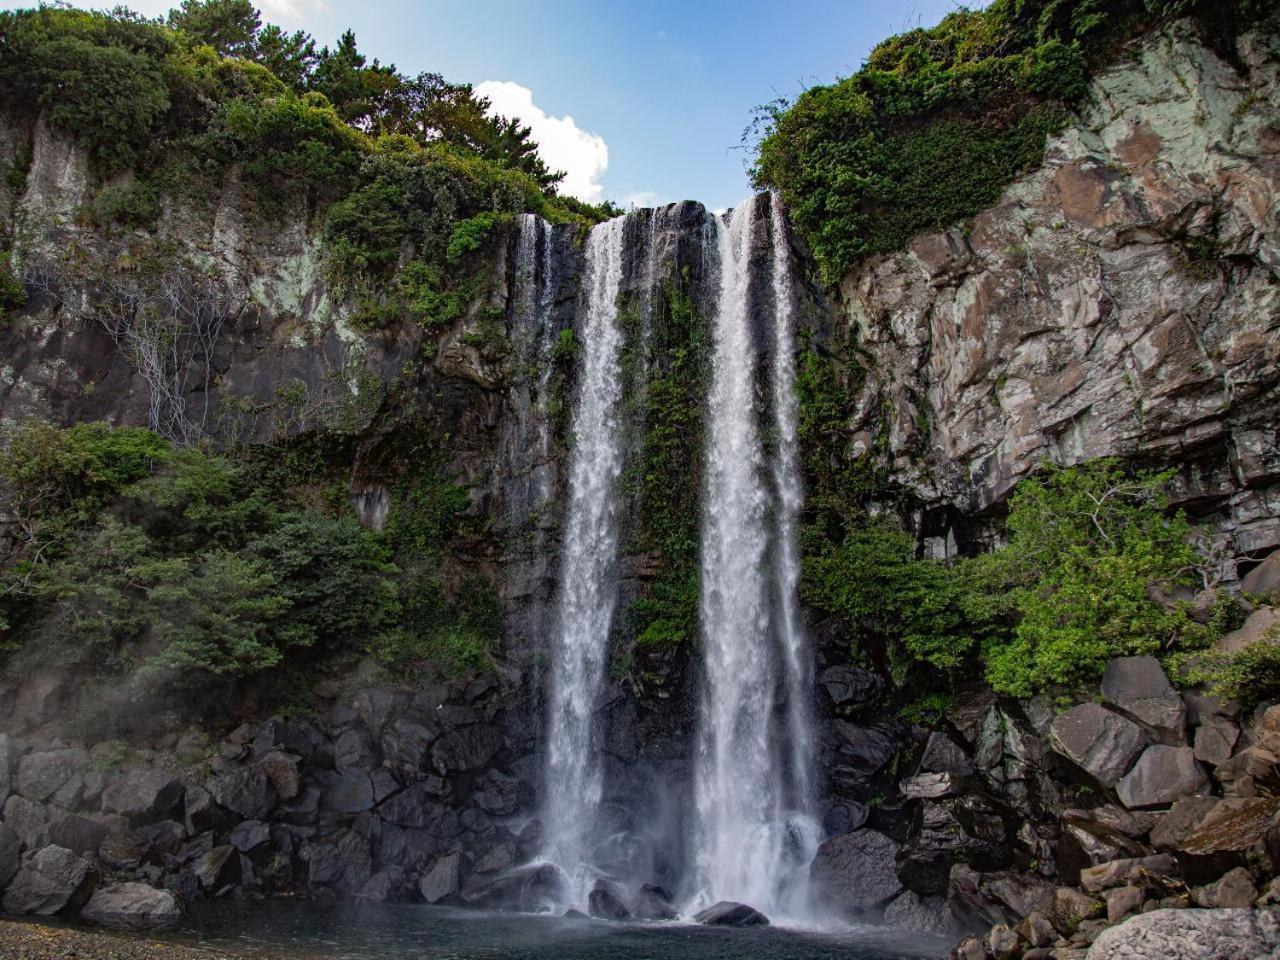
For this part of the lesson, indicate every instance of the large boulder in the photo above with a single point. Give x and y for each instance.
(1224, 836)
(726, 913)
(605, 902)
(132, 905)
(141, 796)
(851, 688)
(418, 805)
(28, 819)
(1191, 935)
(467, 749)
(8, 760)
(1104, 876)
(497, 793)
(1264, 579)
(78, 834)
(350, 793)
(342, 861)
(1138, 687)
(857, 871)
(218, 870)
(55, 879)
(246, 791)
(441, 879)
(533, 888)
(1260, 623)
(10, 855)
(928, 915)
(654, 903)
(40, 775)
(1162, 775)
(1099, 741)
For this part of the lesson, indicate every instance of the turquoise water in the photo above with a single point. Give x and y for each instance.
(412, 932)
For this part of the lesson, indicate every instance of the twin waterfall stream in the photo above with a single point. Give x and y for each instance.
(749, 830)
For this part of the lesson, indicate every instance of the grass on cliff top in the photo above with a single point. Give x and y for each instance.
(938, 121)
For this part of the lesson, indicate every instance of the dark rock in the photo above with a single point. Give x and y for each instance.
(654, 902)
(302, 809)
(350, 793)
(142, 796)
(384, 784)
(355, 748)
(1099, 741)
(466, 749)
(341, 861)
(406, 743)
(41, 774)
(250, 835)
(1215, 739)
(1192, 935)
(1002, 943)
(379, 705)
(1224, 836)
(529, 889)
(28, 819)
(77, 834)
(929, 915)
(203, 812)
(246, 791)
(281, 769)
(55, 879)
(845, 817)
(1066, 909)
(132, 905)
(441, 880)
(218, 870)
(10, 855)
(966, 829)
(1162, 775)
(124, 850)
(605, 902)
(497, 793)
(944, 755)
(8, 763)
(726, 913)
(380, 887)
(857, 871)
(851, 688)
(1138, 687)
(417, 805)
(862, 750)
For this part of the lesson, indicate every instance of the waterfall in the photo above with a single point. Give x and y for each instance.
(753, 836)
(588, 577)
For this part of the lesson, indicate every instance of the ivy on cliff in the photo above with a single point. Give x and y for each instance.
(939, 120)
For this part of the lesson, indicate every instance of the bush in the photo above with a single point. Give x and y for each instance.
(1249, 677)
(13, 295)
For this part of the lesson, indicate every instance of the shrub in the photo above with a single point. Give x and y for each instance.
(13, 295)
(1250, 677)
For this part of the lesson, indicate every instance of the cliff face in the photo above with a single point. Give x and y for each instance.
(1122, 300)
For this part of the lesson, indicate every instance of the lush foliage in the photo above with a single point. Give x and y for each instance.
(125, 552)
(937, 121)
(1249, 677)
(1068, 592)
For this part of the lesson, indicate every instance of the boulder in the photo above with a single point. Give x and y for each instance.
(1162, 775)
(857, 871)
(1183, 817)
(250, 835)
(142, 796)
(497, 793)
(10, 855)
(654, 903)
(1002, 943)
(845, 817)
(1138, 687)
(350, 793)
(534, 888)
(132, 905)
(1215, 738)
(355, 748)
(1261, 622)
(28, 819)
(123, 850)
(1224, 836)
(78, 834)
(1098, 740)
(406, 743)
(55, 879)
(928, 786)
(1116, 872)
(726, 913)
(605, 902)
(218, 870)
(40, 775)
(440, 880)
(1066, 909)
(417, 805)
(341, 861)
(944, 755)
(1191, 935)
(1264, 579)
(928, 915)
(1234, 889)
(246, 791)
(281, 769)
(8, 761)
(466, 749)
(380, 887)
(203, 812)
(1036, 930)
(850, 688)
(1123, 901)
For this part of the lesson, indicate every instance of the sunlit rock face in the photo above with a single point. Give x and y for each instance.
(1122, 300)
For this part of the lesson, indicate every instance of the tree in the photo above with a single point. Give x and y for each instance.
(358, 92)
(229, 26)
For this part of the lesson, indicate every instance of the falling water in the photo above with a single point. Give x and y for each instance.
(587, 581)
(737, 843)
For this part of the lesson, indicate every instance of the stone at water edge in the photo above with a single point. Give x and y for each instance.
(441, 879)
(726, 913)
(654, 903)
(857, 870)
(1191, 935)
(53, 880)
(605, 903)
(10, 855)
(132, 905)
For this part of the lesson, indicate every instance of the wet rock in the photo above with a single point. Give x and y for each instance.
(1162, 775)
(441, 879)
(605, 902)
(928, 915)
(341, 861)
(218, 870)
(726, 913)
(466, 749)
(845, 817)
(132, 905)
(533, 888)
(944, 755)
(862, 750)
(142, 796)
(497, 793)
(1191, 935)
(851, 688)
(246, 791)
(10, 854)
(654, 902)
(1098, 740)
(857, 871)
(55, 879)
(966, 829)
(1138, 687)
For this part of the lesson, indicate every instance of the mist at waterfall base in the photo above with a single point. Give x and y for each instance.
(300, 929)
(743, 826)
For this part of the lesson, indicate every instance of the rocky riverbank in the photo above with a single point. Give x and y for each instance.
(32, 941)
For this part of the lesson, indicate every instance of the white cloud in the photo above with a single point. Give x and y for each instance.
(563, 145)
(290, 12)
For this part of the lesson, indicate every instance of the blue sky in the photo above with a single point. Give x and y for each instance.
(667, 86)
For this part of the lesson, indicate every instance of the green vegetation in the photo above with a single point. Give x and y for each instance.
(1249, 677)
(127, 553)
(938, 121)
(1066, 594)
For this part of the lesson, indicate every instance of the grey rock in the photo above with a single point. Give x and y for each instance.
(1162, 775)
(246, 791)
(1234, 889)
(1183, 817)
(218, 870)
(1122, 901)
(466, 749)
(55, 879)
(355, 748)
(406, 743)
(851, 688)
(944, 755)
(1104, 876)
(928, 786)
(141, 796)
(1191, 935)
(28, 819)
(417, 805)
(202, 811)
(857, 871)
(1137, 686)
(1098, 740)
(726, 913)
(1002, 943)
(654, 902)
(78, 834)
(132, 905)
(1264, 579)
(532, 888)
(10, 855)
(8, 761)
(350, 794)
(1215, 739)
(1260, 623)
(281, 769)
(441, 879)
(342, 861)
(250, 835)
(605, 902)
(123, 850)
(41, 774)
(928, 915)
(497, 793)
(1066, 909)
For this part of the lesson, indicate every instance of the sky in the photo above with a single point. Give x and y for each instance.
(640, 103)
